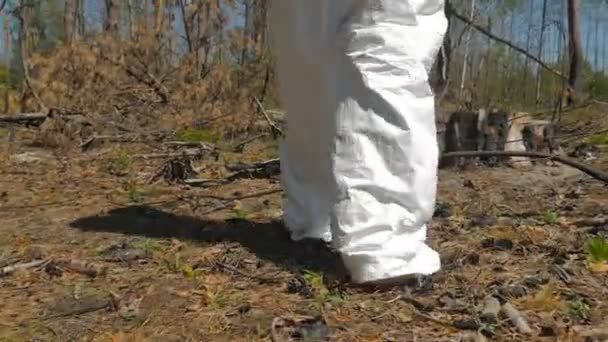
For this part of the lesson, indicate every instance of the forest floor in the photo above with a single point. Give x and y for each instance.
(118, 259)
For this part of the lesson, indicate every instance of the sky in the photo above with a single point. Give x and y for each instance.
(94, 11)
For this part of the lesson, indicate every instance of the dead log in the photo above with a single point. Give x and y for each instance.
(594, 173)
(30, 119)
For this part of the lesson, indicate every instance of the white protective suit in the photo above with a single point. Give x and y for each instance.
(359, 162)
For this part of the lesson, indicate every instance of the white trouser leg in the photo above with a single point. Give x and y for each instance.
(361, 149)
(305, 153)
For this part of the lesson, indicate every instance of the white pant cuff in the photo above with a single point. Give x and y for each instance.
(371, 267)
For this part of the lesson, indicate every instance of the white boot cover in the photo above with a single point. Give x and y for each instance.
(361, 153)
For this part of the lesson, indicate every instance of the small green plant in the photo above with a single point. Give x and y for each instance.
(322, 294)
(550, 217)
(579, 310)
(119, 164)
(183, 267)
(597, 250)
(198, 135)
(241, 214)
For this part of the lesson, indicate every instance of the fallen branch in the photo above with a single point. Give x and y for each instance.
(252, 166)
(591, 221)
(8, 270)
(276, 130)
(227, 202)
(185, 153)
(201, 182)
(25, 118)
(596, 174)
(238, 148)
(199, 144)
(261, 279)
(491, 35)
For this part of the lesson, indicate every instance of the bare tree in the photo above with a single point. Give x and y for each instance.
(7, 59)
(466, 49)
(69, 19)
(575, 50)
(112, 17)
(541, 41)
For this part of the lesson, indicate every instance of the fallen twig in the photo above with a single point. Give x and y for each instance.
(19, 267)
(596, 174)
(25, 118)
(516, 318)
(591, 221)
(240, 146)
(199, 144)
(227, 202)
(261, 279)
(201, 182)
(276, 130)
(186, 153)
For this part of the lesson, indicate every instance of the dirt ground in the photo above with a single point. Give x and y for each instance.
(122, 260)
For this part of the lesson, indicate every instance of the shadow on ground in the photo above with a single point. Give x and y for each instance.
(269, 241)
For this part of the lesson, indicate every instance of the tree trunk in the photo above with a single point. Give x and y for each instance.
(466, 49)
(7, 63)
(131, 18)
(112, 18)
(596, 49)
(443, 60)
(246, 32)
(525, 87)
(160, 14)
(80, 17)
(539, 71)
(188, 25)
(69, 20)
(576, 50)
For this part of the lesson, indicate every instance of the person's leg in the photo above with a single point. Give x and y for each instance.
(385, 159)
(298, 36)
(361, 144)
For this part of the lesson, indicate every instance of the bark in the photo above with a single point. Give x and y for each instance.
(576, 50)
(69, 20)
